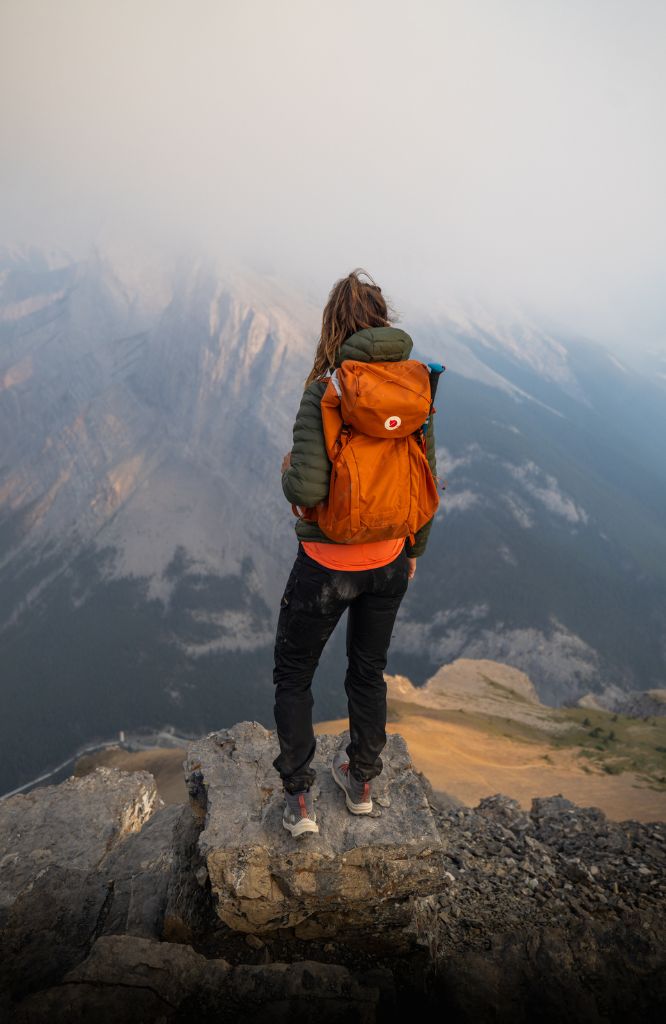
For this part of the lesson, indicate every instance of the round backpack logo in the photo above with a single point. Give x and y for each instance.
(392, 422)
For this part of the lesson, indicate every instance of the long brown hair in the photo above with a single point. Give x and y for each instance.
(352, 305)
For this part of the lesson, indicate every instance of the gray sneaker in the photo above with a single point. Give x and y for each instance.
(299, 813)
(357, 794)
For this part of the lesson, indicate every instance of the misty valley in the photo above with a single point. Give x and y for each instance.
(145, 539)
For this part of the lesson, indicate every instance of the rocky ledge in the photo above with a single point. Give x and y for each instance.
(356, 875)
(114, 907)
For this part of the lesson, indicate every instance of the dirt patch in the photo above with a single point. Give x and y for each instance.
(471, 763)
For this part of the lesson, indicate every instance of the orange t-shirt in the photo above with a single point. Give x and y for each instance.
(354, 556)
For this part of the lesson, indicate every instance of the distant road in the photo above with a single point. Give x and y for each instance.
(129, 742)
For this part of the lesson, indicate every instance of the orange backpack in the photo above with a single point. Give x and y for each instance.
(381, 485)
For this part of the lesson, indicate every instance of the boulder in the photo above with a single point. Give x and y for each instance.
(48, 929)
(126, 979)
(359, 873)
(73, 825)
(76, 862)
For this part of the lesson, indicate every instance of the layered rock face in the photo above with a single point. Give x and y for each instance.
(116, 908)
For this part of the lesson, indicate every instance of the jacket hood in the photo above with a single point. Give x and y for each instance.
(376, 345)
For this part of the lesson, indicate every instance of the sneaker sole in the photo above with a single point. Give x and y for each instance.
(301, 827)
(364, 808)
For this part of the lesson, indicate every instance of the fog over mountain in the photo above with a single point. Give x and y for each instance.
(145, 540)
(510, 151)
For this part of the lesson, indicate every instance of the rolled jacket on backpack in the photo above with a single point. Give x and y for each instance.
(306, 480)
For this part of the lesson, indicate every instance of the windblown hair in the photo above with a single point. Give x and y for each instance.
(352, 305)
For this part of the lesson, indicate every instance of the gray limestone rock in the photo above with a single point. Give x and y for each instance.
(49, 928)
(73, 824)
(159, 881)
(140, 870)
(358, 872)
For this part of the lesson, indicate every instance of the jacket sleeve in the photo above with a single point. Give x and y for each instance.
(421, 536)
(306, 481)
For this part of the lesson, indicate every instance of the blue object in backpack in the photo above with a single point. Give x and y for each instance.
(436, 370)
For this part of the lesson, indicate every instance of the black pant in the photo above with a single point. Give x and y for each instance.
(313, 601)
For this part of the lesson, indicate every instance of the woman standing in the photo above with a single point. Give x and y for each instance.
(370, 579)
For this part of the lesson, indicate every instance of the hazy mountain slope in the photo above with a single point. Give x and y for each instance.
(101, 418)
(145, 540)
(550, 547)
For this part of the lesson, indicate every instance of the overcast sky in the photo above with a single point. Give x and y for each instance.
(509, 150)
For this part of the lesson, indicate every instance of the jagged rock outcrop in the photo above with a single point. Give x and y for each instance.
(492, 913)
(91, 856)
(357, 874)
(72, 825)
(550, 908)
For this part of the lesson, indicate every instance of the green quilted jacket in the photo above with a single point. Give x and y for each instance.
(306, 481)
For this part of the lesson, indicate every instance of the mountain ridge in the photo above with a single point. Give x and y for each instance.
(140, 503)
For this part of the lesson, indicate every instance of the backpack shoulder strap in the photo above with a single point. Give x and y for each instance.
(336, 383)
(332, 375)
